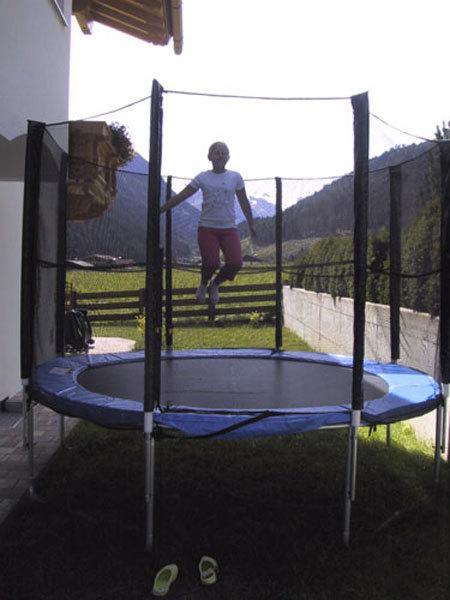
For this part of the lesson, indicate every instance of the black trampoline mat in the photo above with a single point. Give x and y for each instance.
(234, 383)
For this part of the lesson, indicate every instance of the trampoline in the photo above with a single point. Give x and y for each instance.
(229, 394)
(233, 393)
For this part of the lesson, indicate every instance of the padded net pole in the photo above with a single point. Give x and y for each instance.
(169, 286)
(61, 253)
(33, 160)
(395, 233)
(153, 305)
(360, 104)
(30, 220)
(444, 321)
(278, 264)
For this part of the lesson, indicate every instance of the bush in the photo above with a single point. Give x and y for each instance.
(319, 269)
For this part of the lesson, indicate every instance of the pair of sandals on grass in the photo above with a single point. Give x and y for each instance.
(208, 569)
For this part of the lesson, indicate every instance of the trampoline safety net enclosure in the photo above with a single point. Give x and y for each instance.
(378, 232)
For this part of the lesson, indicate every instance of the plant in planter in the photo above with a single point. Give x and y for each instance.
(121, 141)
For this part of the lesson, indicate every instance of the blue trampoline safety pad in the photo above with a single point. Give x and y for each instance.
(232, 393)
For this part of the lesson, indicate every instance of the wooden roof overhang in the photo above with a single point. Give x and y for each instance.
(154, 21)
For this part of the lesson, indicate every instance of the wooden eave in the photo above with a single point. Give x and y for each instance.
(154, 21)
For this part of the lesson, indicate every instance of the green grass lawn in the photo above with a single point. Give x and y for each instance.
(269, 510)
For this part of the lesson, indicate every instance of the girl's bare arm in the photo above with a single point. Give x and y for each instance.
(246, 209)
(187, 192)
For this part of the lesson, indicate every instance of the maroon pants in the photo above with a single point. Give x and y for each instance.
(211, 241)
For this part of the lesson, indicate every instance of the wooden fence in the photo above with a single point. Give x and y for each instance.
(239, 301)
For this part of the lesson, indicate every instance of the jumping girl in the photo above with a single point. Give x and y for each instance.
(217, 226)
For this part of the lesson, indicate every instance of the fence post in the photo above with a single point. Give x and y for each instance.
(73, 299)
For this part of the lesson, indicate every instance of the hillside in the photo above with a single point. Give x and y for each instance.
(121, 230)
(330, 210)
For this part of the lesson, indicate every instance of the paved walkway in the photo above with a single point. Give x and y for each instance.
(14, 471)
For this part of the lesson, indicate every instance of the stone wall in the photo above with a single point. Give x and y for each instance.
(326, 323)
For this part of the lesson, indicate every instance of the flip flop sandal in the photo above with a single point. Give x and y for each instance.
(208, 568)
(164, 579)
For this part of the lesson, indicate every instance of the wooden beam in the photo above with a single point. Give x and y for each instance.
(156, 37)
(127, 19)
(82, 11)
(134, 10)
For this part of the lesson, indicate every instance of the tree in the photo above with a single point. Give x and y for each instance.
(444, 133)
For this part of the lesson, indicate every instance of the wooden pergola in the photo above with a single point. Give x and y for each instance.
(154, 21)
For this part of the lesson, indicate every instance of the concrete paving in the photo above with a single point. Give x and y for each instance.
(14, 469)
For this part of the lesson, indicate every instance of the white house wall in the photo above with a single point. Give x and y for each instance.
(34, 84)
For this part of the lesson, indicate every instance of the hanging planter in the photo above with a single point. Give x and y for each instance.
(96, 150)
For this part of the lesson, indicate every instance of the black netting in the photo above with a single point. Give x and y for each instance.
(106, 243)
(403, 260)
(43, 250)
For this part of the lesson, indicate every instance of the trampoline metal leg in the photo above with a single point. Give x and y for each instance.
(350, 476)
(444, 441)
(30, 448)
(24, 413)
(438, 443)
(62, 429)
(149, 442)
(388, 435)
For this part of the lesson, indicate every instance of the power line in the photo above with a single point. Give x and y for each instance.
(242, 97)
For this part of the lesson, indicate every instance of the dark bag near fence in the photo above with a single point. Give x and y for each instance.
(77, 331)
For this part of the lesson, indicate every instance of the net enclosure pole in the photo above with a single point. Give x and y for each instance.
(395, 233)
(278, 264)
(30, 220)
(360, 104)
(169, 283)
(61, 268)
(444, 318)
(153, 305)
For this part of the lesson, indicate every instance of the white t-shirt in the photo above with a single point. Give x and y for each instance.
(218, 197)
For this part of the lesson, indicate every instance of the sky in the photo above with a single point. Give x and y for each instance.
(394, 50)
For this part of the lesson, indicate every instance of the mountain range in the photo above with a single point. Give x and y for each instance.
(121, 230)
